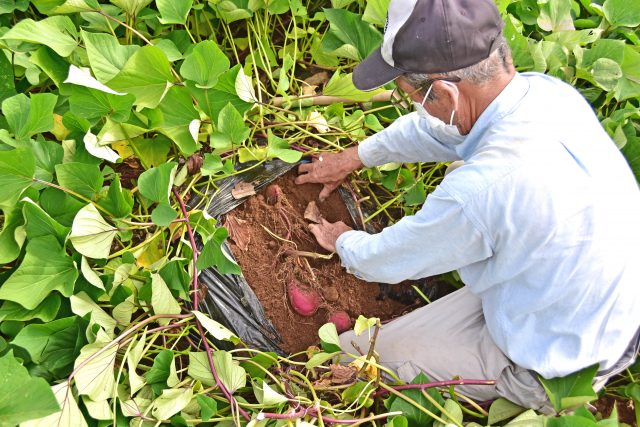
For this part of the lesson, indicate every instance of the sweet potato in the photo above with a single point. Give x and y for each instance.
(273, 194)
(305, 301)
(342, 321)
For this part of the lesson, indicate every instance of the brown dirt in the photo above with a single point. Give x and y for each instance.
(626, 411)
(268, 269)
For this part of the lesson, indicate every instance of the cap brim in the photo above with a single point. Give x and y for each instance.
(374, 72)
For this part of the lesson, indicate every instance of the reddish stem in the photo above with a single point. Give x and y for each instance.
(308, 411)
(435, 384)
(283, 214)
(297, 414)
(194, 248)
(192, 240)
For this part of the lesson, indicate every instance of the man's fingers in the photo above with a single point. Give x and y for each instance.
(328, 189)
(305, 167)
(303, 179)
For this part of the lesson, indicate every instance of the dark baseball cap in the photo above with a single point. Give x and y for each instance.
(431, 36)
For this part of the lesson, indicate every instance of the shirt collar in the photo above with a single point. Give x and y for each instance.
(504, 104)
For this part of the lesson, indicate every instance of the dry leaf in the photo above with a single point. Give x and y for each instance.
(317, 121)
(371, 370)
(341, 374)
(312, 213)
(194, 163)
(317, 79)
(309, 90)
(243, 189)
(322, 383)
(238, 231)
(312, 350)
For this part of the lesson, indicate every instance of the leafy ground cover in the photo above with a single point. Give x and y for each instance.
(115, 114)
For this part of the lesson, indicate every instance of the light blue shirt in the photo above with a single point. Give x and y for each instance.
(542, 222)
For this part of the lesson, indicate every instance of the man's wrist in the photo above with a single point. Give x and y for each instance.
(340, 240)
(353, 160)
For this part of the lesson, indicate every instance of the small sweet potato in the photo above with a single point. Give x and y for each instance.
(305, 301)
(273, 193)
(342, 321)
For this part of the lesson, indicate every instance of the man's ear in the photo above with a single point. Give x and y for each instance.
(448, 94)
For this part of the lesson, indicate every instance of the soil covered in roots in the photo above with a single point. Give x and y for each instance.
(271, 240)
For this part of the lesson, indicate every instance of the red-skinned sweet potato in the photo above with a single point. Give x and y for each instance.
(273, 194)
(342, 321)
(305, 301)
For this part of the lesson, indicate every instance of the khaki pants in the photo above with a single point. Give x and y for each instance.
(449, 338)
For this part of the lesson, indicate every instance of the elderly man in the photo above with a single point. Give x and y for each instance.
(541, 221)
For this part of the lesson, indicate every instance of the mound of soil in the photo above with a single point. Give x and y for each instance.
(264, 235)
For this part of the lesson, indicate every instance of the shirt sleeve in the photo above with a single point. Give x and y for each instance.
(405, 140)
(438, 239)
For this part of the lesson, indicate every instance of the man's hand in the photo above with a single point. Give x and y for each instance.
(327, 233)
(329, 169)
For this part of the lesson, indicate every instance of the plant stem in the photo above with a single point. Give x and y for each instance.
(309, 100)
(481, 412)
(443, 411)
(434, 384)
(313, 255)
(424, 297)
(192, 241)
(127, 26)
(372, 345)
(194, 248)
(148, 224)
(71, 192)
(412, 402)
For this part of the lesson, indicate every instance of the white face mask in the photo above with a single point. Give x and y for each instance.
(447, 133)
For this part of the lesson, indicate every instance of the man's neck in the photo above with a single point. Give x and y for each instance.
(478, 98)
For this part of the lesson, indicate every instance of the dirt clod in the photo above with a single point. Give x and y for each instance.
(330, 294)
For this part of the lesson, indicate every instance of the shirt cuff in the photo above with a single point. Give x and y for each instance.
(342, 249)
(370, 153)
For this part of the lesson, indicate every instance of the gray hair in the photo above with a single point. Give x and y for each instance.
(479, 74)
